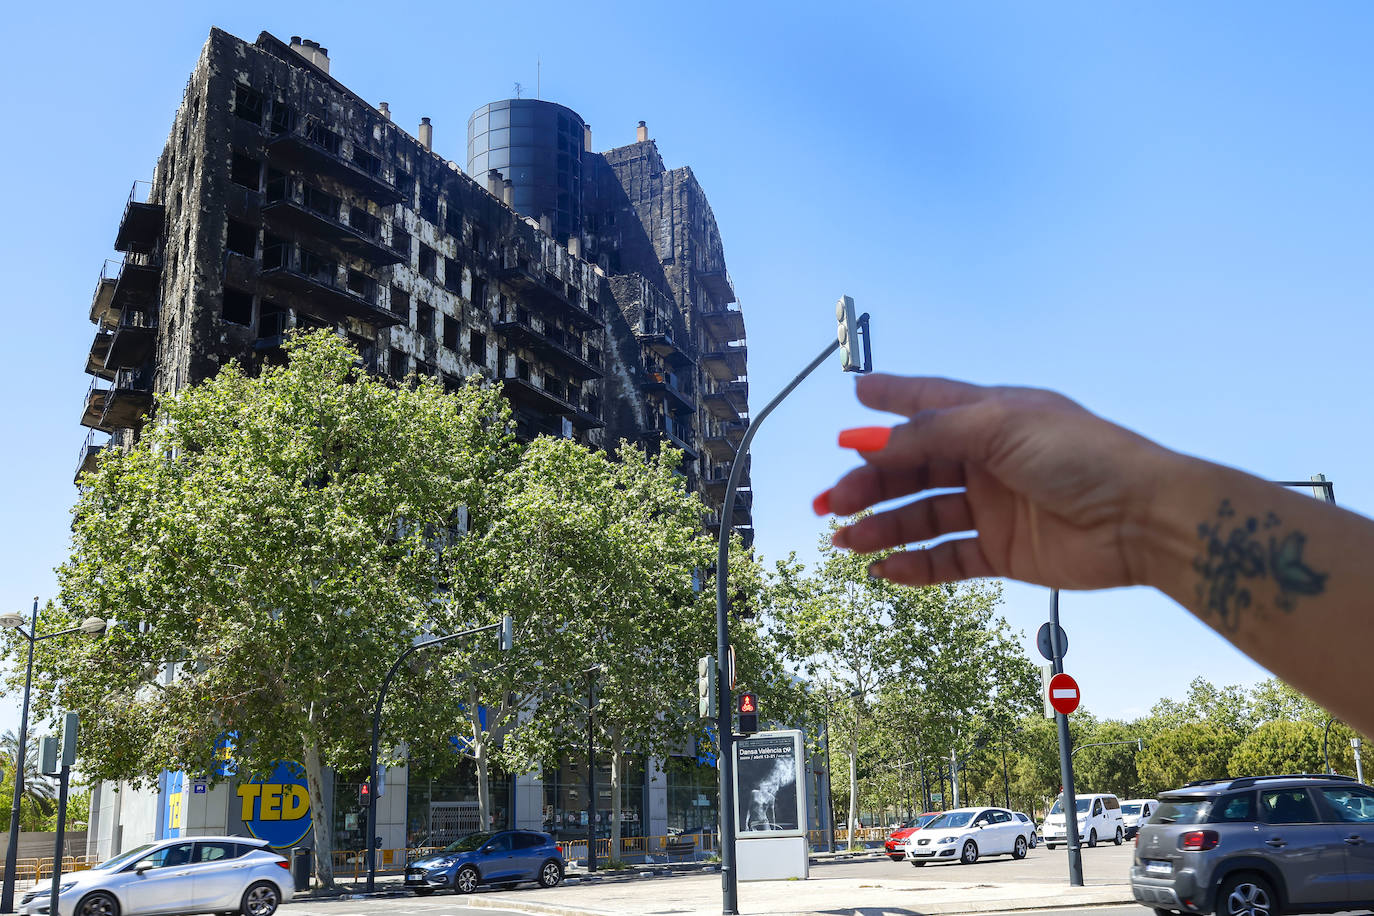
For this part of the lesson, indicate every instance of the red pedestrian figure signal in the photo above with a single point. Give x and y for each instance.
(748, 713)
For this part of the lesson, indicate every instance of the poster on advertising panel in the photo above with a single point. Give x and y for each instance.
(770, 780)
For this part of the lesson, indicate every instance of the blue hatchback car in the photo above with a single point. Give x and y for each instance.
(505, 858)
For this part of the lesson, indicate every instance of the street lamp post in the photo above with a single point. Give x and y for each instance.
(729, 876)
(91, 626)
(507, 638)
(591, 766)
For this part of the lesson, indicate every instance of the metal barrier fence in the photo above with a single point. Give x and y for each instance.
(31, 870)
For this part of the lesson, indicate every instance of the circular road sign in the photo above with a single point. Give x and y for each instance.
(1064, 693)
(1042, 642)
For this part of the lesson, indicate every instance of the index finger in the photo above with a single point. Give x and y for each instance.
(908, 395)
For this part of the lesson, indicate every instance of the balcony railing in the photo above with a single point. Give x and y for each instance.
(664, 343)
(525, 392)
(140, 228)
(123, 404)
(314, 146)
(88, 456)
(727, 400)
(133, 340)
(102, 299)
(317, 281)
(724, 324)
(551, 343)
(297, 205)
(717, 284)
(676, 389)
(100, 350)
(676, 431)
(540, 290)
(726, 363)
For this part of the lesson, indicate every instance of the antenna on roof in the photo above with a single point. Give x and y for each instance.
(538, 78)
(518, 90)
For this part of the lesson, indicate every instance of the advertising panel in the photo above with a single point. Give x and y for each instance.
(770, 778)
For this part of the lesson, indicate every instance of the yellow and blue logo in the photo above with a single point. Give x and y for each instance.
(276, 808)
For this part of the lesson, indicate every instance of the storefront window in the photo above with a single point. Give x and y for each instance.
(444, 808)
(693, 789)
(565, 799)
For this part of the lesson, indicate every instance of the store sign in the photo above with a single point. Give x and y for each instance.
(277, 808)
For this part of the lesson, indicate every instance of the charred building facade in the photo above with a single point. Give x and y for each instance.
(590, 286)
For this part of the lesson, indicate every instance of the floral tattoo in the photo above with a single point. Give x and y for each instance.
(1238, 556)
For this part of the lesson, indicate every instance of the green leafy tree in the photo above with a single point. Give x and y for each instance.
(1192, 751)
(1110, 768)
(266, 549)
(39, 798)
(1279, 747)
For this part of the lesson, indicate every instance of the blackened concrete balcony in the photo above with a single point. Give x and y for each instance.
(676, 390)
(677, 432)
(123, 404)
(548, 294)
(93, 411)
(725, 363)
(88, 456)
(131, 344)
(313, 147)
(727, 401)
(316, 282)
(725, 324)
(102, 300)
(718, 446)
(734, 430)
(666, 346)
(294, 205)
(522, 391)
(125, 286)
(100, 351)
(552, 344)
(140, 228)
(717, 284)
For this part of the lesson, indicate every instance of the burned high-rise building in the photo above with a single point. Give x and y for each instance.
(591, 286)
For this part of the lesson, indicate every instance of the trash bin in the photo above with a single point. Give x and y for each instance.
(301, 866)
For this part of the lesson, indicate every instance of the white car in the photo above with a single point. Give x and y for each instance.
(1099, 819)
(1135, 813)
(220, 874)
(965, 835)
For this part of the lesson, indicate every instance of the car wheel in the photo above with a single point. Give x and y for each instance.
(465, 882)
(1019, 850)
(1092, 838)
(261, 899)
(970, 853)
(97, 904)
(550, 873)
(1246, 895)
(1119, 837)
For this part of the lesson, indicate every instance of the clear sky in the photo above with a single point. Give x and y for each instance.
(1162, 209)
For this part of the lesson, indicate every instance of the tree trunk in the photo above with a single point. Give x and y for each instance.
(479, 749)
(617, 763)
(853, 791)
(324, 832)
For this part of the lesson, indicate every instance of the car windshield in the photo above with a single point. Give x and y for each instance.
(952, 819)
(923, 821)
(470, 843)
(1182, 810)
(1080, 805)
(124, 857)
(1130, 809)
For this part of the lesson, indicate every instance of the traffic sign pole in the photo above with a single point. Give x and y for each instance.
(1069, 799)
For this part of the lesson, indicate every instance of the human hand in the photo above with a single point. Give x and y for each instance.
(1057, 495)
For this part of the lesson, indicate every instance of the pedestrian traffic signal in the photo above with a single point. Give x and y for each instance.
(848, 335)
(364, 795)
(748, 713)
(706, 687)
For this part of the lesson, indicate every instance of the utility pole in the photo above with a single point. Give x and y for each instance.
(1070, 801)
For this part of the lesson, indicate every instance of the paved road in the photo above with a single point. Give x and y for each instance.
(391, 906)
(1106, 864)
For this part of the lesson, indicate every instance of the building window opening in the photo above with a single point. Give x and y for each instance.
(274, 252)
(453, 275)
(248, 104)
(237, 307)
(366, 161)
(424, 320)
(322, 136)
(477, 348)
(273, 320)
(400, 242)
(479, 291)
(451, 332)
(396, 364)
(242, 239)
(365, 222)
(283, 118)
(400, 302)
(318, 268)
(245, 171)
(360, 284)
(426, 264)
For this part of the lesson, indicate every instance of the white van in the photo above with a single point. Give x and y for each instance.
(1135, 813)
(1099, 819)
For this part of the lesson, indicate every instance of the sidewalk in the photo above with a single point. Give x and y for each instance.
(699, 895)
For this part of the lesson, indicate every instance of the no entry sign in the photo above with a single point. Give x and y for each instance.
(1064, 693)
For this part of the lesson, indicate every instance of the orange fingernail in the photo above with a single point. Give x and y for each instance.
(865, 438)
(821, 504)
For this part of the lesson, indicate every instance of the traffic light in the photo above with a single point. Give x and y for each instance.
(748, 713)
(363, 795)
(706, 687)
(848, 335)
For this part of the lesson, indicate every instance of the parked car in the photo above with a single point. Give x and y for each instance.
(965, 835)
(896, 840)
(1099, 818)
(1135, 813)
(1029, 822)
(183, 875)
(1262, 845)
(505, 858)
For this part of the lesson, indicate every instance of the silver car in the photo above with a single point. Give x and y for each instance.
(220, 874)
(1258, 846)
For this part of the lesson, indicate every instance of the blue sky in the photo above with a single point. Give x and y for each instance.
(1161, 209)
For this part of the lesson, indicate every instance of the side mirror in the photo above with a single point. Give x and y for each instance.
(139, 870)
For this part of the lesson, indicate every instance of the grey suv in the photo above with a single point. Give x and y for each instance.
(1258, 846)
